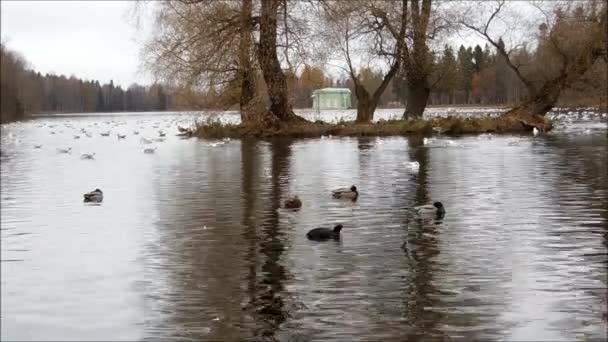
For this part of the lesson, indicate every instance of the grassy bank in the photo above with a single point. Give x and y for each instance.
(449, 126)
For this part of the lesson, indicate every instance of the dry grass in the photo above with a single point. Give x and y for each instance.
(448, 126)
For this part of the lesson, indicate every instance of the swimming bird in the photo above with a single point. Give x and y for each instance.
(435, 209)
(149, 150)
(135, 132)
(37, 146)
(187, 134)
(293, 203)
(88, 156)
(76, 137)
(535, 131)
(121, 136)
(347, 193)
(182, 129)
(412, 166)
(64, 150)
(322, 234)
(145, 141)
(161, 134)
(105, 134)
(95, 196)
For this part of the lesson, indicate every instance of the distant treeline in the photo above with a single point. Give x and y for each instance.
(25, 91)
(472, 75)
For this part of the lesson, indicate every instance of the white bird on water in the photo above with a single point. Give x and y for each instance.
(412, 166)
(535, 131)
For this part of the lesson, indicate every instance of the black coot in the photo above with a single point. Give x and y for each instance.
(322, 234)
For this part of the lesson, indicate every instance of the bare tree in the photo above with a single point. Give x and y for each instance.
(423, 22)
(572, 37)
(195, 44)
(361, 30)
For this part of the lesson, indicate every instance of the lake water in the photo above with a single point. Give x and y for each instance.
(189, 243)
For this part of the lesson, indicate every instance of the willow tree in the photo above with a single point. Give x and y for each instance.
(357, 33)
(204, 46)
(211, 46)
(572, 37)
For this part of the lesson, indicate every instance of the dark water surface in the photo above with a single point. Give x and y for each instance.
(189, 243)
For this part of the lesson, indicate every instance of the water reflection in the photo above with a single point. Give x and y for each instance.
(268, 298)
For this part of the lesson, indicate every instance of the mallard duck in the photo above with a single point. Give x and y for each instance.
(436, 209)
(322, 234)
(293, 203)
(347, 193)
(95, 196)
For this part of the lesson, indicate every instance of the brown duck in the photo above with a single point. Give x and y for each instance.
(293, 203)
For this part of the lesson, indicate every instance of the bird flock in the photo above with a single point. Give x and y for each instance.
(104, 130)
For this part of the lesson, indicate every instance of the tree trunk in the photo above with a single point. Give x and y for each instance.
(531, 113)
(365, 104)
(417, 98)
(250, 114)
(280, 108)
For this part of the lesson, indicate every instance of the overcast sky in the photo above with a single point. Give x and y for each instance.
(89, 39)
